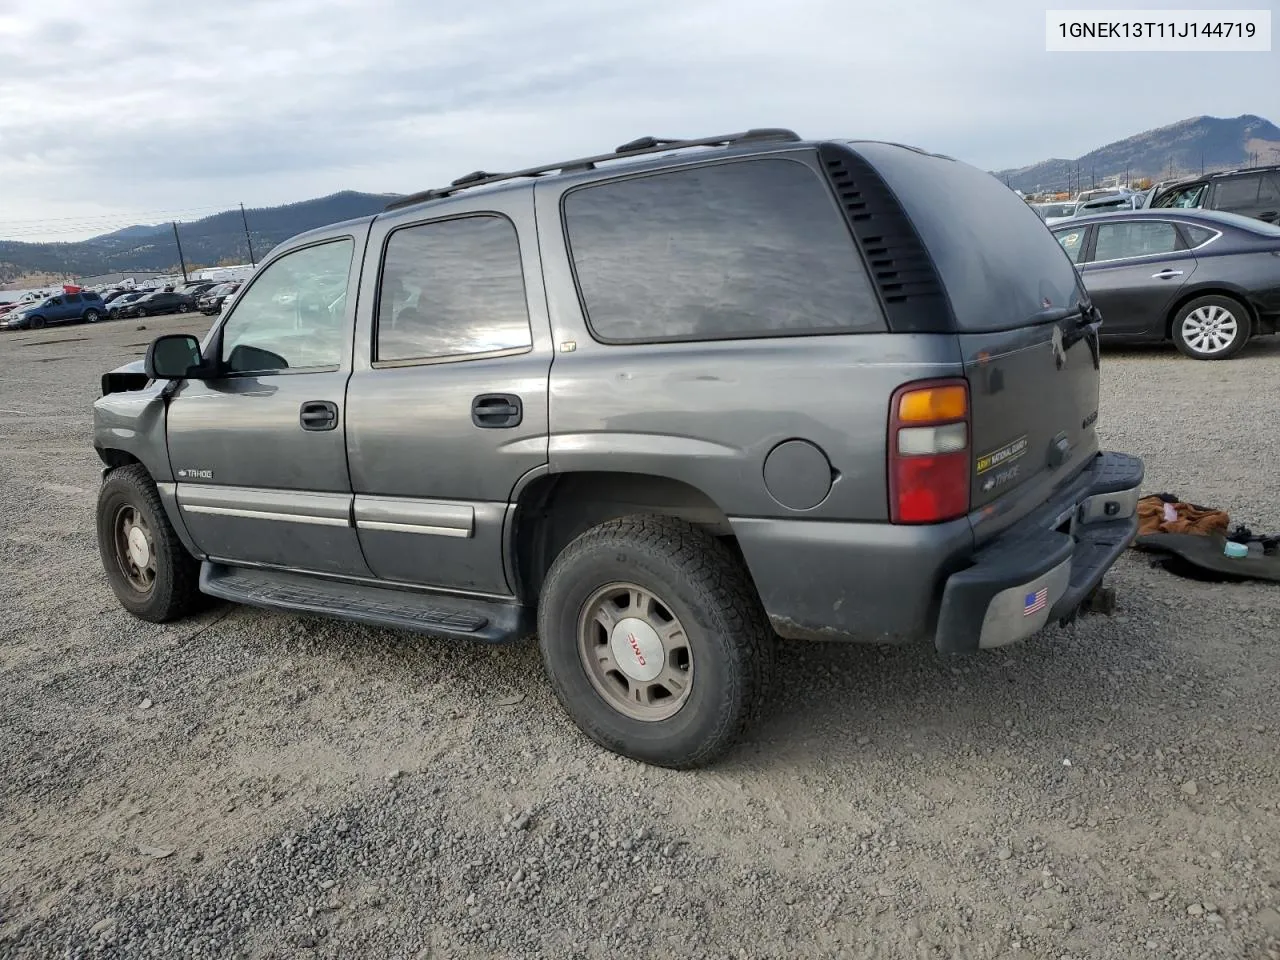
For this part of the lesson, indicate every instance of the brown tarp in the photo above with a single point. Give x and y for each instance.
(1187, 518)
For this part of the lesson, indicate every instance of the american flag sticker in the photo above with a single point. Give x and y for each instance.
(1035, 602)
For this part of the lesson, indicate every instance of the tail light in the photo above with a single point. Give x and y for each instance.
(929, 451)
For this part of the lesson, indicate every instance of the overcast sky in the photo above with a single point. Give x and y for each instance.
(152, 110)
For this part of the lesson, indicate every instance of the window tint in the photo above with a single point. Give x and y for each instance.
(1137, 238)
(294, 315)
(1072, 241)
(747, 249)
(73, 298)
(1197, 235)
(452, 288)
(1237, 193)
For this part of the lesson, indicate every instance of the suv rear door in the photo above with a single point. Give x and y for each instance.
(447, 404)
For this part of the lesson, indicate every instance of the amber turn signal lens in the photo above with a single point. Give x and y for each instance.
(932, 404)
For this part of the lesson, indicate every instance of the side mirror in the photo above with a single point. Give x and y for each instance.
(172, 357)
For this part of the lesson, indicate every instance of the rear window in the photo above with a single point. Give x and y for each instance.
(999, 264)
(733, 250)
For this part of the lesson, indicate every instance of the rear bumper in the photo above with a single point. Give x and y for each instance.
(1045, 567)
(886, 583)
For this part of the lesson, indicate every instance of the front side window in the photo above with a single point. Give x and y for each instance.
(1187, 198)
(452, 288)
(294, 315)
(729, 250)
(1134, 238)
(1072, 241)
(1237, 193)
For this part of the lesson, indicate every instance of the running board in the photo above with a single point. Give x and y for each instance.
(463, 618)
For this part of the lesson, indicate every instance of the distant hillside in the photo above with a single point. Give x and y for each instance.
(1186, 147)
(206, 242)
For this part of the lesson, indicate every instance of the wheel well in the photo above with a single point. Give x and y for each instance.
(552, 511)
(116, 458)
(1229, 294)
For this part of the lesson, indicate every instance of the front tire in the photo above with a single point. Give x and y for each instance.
(146, 564)
(655, 641)
(1212, 328)
(36, 323)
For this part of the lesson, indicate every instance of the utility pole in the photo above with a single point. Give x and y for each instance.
(181, 259)
(1202, 163)
(1170, 167)
(246, 234)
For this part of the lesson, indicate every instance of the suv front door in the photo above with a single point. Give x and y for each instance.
(447, 404)
(259, 449)
(1133, 270)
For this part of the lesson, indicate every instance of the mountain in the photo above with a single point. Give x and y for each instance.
(205, 242)
(1178, 150)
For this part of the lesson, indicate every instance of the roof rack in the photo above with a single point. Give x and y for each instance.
(634, 148)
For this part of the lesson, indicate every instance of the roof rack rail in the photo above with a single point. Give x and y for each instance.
(634, 148)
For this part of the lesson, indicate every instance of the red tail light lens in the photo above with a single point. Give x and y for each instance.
(929, 451)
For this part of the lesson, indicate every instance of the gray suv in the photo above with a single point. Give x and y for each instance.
(661, 406)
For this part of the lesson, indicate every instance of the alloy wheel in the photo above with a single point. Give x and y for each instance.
(1210, 329)
(635, 651)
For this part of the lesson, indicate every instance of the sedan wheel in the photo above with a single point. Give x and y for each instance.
(1211, 328)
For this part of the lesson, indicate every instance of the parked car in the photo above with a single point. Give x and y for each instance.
(115, 309)
(61, 308)
(1206, 280)
(195, 288)
(210, 302)
(160, 302)
(383, 446)
(113, 295)
(1250, 192)
(1052, 213)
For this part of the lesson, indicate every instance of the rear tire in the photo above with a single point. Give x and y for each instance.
(1212, 328)
(92, 316)
(655, 580)
(146, 564)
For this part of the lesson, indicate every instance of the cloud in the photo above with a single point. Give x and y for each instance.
(149, 107)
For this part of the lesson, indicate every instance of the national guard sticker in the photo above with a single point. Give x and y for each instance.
(1010, 451)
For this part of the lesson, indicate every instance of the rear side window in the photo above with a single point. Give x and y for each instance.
(1237, 193)
(738, 250)
(1269, 191)
(1197, 235)
(73, 298)
(452, 288)
(1137, 238)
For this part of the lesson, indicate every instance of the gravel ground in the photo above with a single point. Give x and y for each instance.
(256, 785)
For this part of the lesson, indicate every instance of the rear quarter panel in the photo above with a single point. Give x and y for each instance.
(708, 414)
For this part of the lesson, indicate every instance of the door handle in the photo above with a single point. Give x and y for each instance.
(1166, 275)
(497, 410)
(318, 415)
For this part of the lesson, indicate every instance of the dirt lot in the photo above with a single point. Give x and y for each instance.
(258, 785)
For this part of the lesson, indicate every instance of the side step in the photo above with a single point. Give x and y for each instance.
(463, 618)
